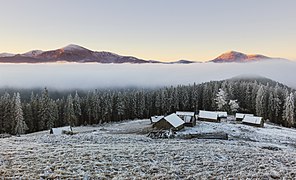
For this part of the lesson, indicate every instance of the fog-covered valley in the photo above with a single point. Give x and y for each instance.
(89, 76)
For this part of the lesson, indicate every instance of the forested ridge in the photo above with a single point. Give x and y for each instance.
(24, 112)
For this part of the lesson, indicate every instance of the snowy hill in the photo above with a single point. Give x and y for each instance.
(117, 151)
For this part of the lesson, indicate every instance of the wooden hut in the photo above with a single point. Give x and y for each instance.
(221, 114)
(171, 121)
(210, 116)
(60, 130)
(188, 118)
(155, 119)
(240, 116)
(253, 121)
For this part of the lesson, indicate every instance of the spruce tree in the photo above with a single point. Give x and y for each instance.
(69, 113)
(260, 101)
(289, 109)
(221, 100)
(20, 125)
(77, 106)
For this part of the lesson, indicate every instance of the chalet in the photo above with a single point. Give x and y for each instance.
(171, 121)
(208, 116)
(253, 121)
(155, 119)
(240, 116)
(60, 130)
(188, 118)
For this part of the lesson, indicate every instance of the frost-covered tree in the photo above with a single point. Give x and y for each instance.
(20, 124)
(53, 116)
(260, 103)
(274, 106)
(69, 113)
(6, 113)
(195, 100)
(77, 106)
(233, 106)
(28, 117)
(44, 111)
(289, 109)
(221, 100)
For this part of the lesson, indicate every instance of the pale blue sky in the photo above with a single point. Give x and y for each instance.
(155, 29)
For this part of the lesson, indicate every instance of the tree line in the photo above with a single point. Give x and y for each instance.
(41, 111)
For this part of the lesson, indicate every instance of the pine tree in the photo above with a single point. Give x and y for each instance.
(260, 103)
(233, 106)
(35, 108)
(289, 109)
(6, 116)
(20, 125)
(221, 100)
(77, 106)
(69, 113)
(44, 111)
(53, 115)
(28, 116)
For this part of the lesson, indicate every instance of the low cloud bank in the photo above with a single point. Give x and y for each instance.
(86, 76)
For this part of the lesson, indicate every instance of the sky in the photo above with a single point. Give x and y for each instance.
(165, 30)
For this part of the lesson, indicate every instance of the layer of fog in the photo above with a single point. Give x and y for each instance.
(84, 76)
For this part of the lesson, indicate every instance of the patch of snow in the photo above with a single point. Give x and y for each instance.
(59, 130)
(6, 55)
(155, 119)
(33, 53)
(72, 47)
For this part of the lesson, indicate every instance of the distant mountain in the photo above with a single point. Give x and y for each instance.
(182, 62)
(70, 53)
(238, 57)
(78, 54)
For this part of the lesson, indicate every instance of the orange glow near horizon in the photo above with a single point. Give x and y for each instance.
(200, 31)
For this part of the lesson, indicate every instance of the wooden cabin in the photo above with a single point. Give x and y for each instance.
(155, 119)
(222, 114)
(210, 116)
(253, 121)
(188, 118)
(60, 130)
(240, 116)
(171, 121)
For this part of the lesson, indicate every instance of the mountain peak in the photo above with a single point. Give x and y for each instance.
(234, 56)
(72, 47)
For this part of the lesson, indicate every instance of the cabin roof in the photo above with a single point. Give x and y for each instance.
(252, 120)
(174, 120)
(242, 115)
(208, 115)
(60, 130)
(155, 119)
(221, 114)
(185, 113)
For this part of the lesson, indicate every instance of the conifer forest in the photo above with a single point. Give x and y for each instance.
(24, 112)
